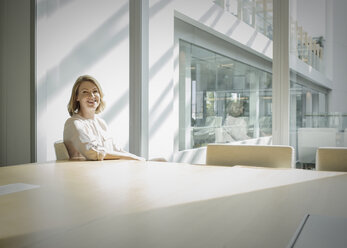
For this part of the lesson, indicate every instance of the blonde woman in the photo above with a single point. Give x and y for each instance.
(235, 126)
(85, 134)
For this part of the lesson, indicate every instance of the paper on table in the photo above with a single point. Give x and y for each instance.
(16, 187)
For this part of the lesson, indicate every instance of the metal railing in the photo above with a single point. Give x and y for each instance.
(259, 13)
(305, 47)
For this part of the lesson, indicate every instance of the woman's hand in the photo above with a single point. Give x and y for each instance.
(123, 155)
(158, 159)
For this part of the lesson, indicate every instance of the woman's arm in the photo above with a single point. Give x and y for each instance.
(76, 137)
(122, 155)
(77, 141)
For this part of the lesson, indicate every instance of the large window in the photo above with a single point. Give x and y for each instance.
(314, 122)
(221, 100)
(308, 114)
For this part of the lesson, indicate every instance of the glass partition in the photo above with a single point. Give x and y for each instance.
(221, 99)
(317, 86)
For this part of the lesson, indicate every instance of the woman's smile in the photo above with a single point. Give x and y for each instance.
(88, 98)
(92, 102)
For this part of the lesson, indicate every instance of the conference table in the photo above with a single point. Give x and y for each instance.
(124, 203)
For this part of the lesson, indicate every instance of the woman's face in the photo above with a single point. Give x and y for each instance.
(88, 96)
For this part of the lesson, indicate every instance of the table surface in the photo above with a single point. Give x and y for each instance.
(318, 231)
(157, 204)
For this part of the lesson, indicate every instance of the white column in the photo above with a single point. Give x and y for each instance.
(138, 68)
(185, 99)
(254, 103)
(293, 127)
(280, 76)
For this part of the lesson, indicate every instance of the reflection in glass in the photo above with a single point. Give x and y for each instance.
(228, 101)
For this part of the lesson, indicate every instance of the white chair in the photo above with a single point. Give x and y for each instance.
(61, 152)
(309, 139)
(274, 156)
(331, 159)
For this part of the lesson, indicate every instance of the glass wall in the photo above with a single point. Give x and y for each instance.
(308, 111)
(257, 14)
(317, 49)
(217, 90)
(221, 99)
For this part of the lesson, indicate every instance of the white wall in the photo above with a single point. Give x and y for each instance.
(191, 34)
(338, 45)
(311, 16)
(216, 22)
(163, 61)
(75, 38)
(161, 64)
(15, 82)
(328, 18)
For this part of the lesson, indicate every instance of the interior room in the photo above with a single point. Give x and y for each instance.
(235, 109)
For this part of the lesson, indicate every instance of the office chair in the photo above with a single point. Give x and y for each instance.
(331, 159)
(274, 156)
(61, 152)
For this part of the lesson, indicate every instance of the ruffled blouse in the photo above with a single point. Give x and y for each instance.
(88, 138)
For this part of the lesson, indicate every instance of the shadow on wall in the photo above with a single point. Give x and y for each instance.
(153, 10)
(88, 52)
(252, 39)
(48, 7)
(209, 13)
(155, 124)
(84, 55)
(233, 27)
(112, 111)
(159, 121)
(216, 19)
(268, 43)
(218, 12)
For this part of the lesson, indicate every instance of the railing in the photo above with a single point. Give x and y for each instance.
(320, 130)
(306, 48)
(256, 13)
(326, 120)
(259, 13)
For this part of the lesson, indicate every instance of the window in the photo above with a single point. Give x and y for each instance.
(222, 100)
(312, 124)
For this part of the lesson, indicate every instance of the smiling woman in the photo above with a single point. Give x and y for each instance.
(85, 134)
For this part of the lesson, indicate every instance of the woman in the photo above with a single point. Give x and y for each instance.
(235, 127)
(85, 134)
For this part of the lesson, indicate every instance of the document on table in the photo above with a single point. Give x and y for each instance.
(16, 187)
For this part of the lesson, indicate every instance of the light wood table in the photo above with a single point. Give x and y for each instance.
(154, 204)
(318, 231)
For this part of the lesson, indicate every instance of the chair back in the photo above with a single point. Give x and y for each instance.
(309, 139)
(61, 152)
(274, 156)
(331, 159)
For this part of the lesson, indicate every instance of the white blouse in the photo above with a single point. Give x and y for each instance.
(88, 138)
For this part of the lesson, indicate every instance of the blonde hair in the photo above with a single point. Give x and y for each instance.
(235, 108)
(73, 105)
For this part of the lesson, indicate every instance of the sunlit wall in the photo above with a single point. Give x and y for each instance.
(75, 38)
